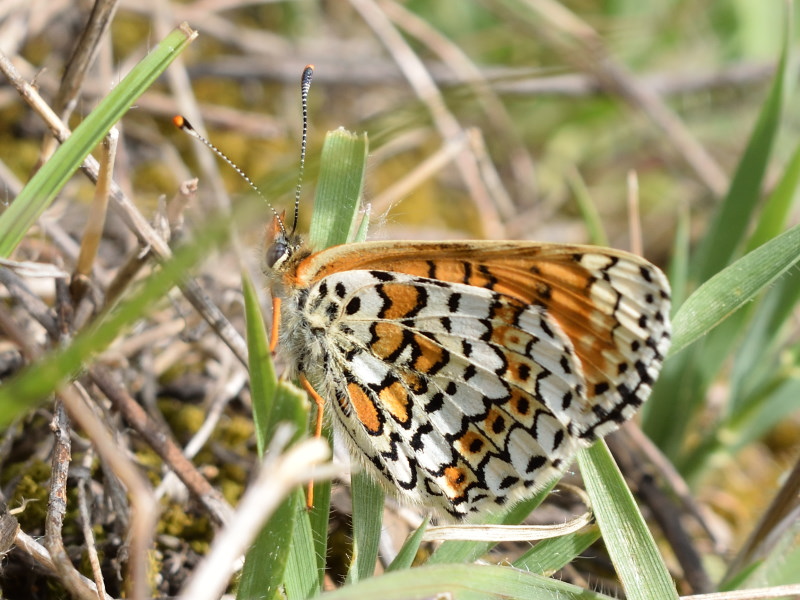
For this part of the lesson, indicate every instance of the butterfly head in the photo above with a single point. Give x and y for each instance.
(281, 246)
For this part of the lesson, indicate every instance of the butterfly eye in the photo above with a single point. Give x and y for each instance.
(276, 253)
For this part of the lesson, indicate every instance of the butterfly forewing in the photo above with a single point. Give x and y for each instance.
(468, 373)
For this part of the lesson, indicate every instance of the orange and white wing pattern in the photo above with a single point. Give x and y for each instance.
(467, 374)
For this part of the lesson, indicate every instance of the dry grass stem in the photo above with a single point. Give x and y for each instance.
(445, 122)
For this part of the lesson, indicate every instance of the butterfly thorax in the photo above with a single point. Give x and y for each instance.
(300, 337)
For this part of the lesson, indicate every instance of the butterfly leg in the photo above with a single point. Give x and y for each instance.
(276, 324)
(320, 402)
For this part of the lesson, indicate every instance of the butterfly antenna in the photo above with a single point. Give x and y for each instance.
(183, 124)
(305, 84)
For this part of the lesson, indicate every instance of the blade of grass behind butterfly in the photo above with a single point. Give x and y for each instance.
(336, 205)
(713, 302)
(631, 546)
(336, 208)
(341, 181)
(548, 556)
(41, 190)
(368, 499)
(591, 217)
(781, 299)
(728, 291)
(405, 557)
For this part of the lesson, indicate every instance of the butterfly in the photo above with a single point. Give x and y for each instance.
(465, 375)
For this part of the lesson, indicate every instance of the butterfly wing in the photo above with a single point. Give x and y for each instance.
(612, 305)
(468, 373)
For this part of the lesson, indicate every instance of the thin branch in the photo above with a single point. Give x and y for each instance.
(57, 506)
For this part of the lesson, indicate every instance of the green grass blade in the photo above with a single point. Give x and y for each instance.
(678, 271)
(302, 576)
(758, 354)
(776, 210)
(548, 556)
(733, 287)
(265, 564)
(336, 205)
(341, 182)
(405, 558)
(729, 225)
(267, 560)
(591, 218)
(263, 381)
(681, 389)
(463, 582)
(318, 517)
(679, 392)
(368, 500)
(630, 544)
(41, 190)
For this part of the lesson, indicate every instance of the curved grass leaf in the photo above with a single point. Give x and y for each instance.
(339, 189)
(548, 556)
(336, 205)
(731, 288)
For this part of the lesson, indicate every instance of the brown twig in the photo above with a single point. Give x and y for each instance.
(93, 231)
(9, 527)
(86, 523)
(227, 386)
(18, 289)
(41, 556)
(78, 65)
(145, 509)
(506, 81)
(57, 506)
